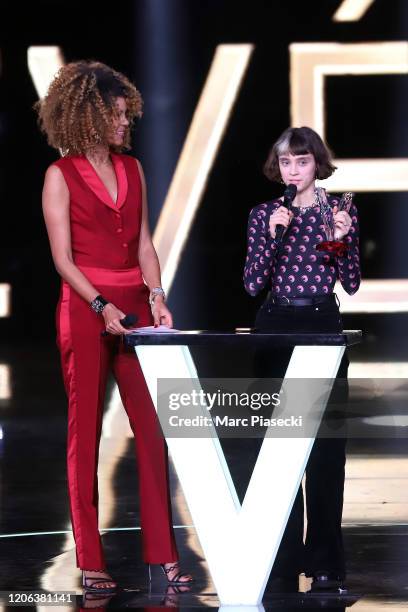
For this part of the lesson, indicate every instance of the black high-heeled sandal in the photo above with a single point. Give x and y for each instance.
(176, 580)
(104, 590)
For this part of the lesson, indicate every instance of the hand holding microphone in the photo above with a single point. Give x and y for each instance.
(116, 321)
(280, 220)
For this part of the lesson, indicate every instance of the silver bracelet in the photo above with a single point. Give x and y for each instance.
(154, 292)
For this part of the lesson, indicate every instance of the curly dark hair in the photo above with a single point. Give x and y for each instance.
(300, 141)
(76, 114)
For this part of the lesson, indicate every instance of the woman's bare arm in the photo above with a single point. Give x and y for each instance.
(149, 262)
(55, 203)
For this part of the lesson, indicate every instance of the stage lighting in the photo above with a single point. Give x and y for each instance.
(310, 64)
(5, 382)
(43, 64)
(386, 295)
(5, 300)
(352, 10)
(196, 159)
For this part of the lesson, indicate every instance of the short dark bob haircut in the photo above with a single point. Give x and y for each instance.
(299, 141)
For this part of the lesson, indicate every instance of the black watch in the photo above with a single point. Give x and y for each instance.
(98, 304)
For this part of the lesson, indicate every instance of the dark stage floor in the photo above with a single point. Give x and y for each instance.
(37, 549)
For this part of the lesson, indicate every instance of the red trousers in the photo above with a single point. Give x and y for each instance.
(86, 360)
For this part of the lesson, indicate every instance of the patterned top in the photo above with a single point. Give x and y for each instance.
(295, 268)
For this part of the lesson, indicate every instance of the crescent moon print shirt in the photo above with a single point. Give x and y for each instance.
(295, 268)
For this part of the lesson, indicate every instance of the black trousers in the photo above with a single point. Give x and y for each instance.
(323, 548)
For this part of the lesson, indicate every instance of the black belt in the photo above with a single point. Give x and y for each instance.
(302, 301)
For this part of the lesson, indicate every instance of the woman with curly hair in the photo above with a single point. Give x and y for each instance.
(95, 210)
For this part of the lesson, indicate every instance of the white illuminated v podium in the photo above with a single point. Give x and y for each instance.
(240, 542)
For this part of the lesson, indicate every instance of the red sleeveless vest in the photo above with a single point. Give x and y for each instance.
(104, 234)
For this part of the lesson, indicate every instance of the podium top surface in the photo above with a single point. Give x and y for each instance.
(242, 339)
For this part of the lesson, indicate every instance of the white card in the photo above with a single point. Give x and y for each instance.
(150, 329)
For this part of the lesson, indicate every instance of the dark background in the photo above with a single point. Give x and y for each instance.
(166, 47)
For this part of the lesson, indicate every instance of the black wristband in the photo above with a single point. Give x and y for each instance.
(98, 304)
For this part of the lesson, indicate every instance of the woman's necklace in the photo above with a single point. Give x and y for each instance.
(304, 209)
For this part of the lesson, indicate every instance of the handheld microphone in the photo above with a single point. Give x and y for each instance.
(127, 321)
(288, 197)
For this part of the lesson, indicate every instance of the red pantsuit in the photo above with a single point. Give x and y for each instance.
(105, 238)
